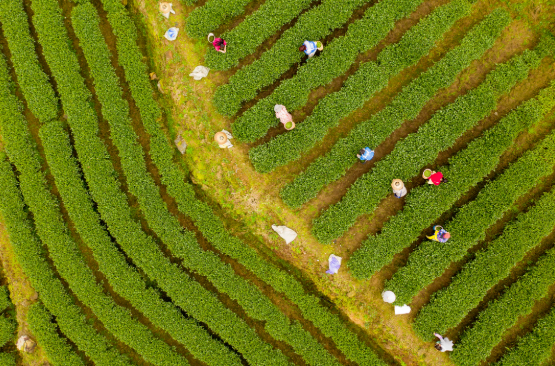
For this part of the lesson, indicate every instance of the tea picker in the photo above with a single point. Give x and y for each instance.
(310, 48)
(435, 178)
(222, 138)
(444, 344)
(440, 234)
(284, 117)
(166, 9)
(365, 154)
(219, 44)
(399, 189)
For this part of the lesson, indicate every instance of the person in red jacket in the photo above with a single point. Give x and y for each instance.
(437, 179)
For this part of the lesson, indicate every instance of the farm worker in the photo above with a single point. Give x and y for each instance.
(444, 344)
(222, 138)
(334, 264)
(436, 179)
(219, 44)
(284, 117)
(365, 154)
(399, 189)
(166, 9)
(310, 48)
(440, 234)
(171, 34)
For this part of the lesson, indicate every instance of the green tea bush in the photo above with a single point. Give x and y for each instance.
(253, 30)
(315, 24)
(31, 256)
(58, 350)
(141, 184)
(31, 78)
(62, 248)
(534, 349)
(451, 304)
(339, 55)
(418, 149)
(211, 15)
(408, 104)
(112, 203)
(431, 259)
(477, 342)
(358, 88)
(208, 223)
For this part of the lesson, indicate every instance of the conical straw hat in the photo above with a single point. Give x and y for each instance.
(397, 184)
(220, 138)
(164, 8)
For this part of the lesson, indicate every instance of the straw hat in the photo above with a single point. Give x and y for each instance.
(165, 8)
(278, 108)
(220, 138)
(397, 184)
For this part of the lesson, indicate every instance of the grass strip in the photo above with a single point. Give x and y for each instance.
(57, 348)
(423, 146)
(450, 305)
(211, 15)
(198, 302)
(408, 104)
(358, 88)
(207, 222)
(30, 254)
(34, 83)
(477, 342)
(340, 54)
(431, 259)
(317, 23)
(534, 349)
(206, 263)
(254, 30)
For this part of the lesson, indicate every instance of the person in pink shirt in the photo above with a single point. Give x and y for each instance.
(219, 44)
(284, 117)
(437, 179)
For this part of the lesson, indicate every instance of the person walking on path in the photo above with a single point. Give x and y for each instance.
(444, 344)
(284, 117)
(399, 189)
(436, 179)
(365, 154)
(219, 44)
(440, 234)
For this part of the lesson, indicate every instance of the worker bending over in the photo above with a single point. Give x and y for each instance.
(440, 234)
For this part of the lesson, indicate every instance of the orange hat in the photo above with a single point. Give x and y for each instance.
(446, 235)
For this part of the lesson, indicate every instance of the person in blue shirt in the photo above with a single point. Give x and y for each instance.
(365, 154)
(311, 49)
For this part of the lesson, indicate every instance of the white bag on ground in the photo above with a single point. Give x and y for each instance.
(399, 310)
(286, 233)
(199, 72)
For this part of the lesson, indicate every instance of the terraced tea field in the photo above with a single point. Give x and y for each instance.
(118, 249)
